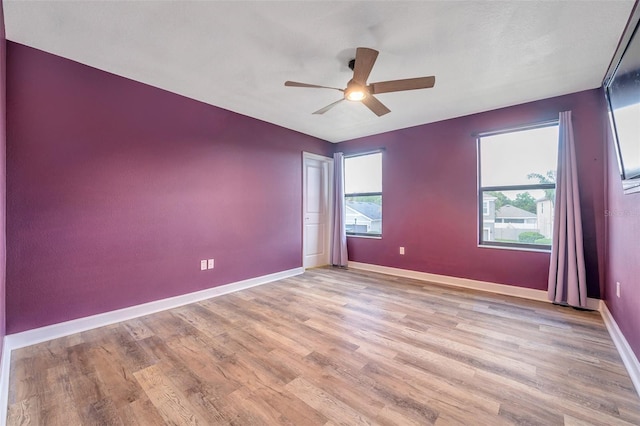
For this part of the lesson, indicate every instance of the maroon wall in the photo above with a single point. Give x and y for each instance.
(430, 196)
(116, 190)
(623, 252)
(3, 179)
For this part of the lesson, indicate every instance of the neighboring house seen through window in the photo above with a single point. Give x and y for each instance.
(363, 194)
(517, 181)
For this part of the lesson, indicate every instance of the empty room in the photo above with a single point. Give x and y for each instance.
(320, 213)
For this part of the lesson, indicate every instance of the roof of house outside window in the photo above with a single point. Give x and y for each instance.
(372, 211)
(509, 211)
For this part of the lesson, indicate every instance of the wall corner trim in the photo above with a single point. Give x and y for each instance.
(629, 359)
(54, 331)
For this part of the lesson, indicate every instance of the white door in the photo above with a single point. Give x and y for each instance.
(317, 180)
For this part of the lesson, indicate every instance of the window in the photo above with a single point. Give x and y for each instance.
(485, 208)
(363, 194)
(517, 184)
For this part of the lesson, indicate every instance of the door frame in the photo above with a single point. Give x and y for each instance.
(329, 219)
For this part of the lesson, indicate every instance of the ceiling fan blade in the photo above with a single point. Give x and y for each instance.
(328, 107)
(365, 58)
(375, 105)
(296, 84)
(400, 85)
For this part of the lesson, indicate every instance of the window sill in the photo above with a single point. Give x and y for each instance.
(516, 248)
(370, 237)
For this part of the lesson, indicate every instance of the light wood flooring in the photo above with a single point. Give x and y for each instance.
(332, 347)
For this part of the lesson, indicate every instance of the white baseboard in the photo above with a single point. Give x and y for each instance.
(54, 331)
(629, 359)
(509, 290)
(5, 369)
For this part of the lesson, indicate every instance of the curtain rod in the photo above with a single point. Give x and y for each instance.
(528, 126)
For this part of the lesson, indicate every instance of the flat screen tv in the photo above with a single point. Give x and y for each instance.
(622, 89)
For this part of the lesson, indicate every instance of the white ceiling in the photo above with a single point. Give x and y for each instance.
(237, 54)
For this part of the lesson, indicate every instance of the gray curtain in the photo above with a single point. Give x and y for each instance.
(567, 276)
(339, 236)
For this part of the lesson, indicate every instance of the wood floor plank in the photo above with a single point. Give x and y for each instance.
(327, 404)
(292, 409)
(137, 329)
(332, 347)
(58, 406)
(25, 412)
(171, 404)
(141, 412)
(114, 379)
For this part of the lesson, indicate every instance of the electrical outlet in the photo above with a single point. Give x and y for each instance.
(617, 289)
(210, 264)
(203, 265)
(401, 250)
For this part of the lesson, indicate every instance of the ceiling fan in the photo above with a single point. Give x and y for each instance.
(358, 90)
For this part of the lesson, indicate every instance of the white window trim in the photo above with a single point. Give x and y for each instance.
(346, 195)
(481, 190)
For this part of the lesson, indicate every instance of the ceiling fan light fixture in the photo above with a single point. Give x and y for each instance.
(355, 95)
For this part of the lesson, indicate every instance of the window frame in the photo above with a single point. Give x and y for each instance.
(499, 188)
(364, 194)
